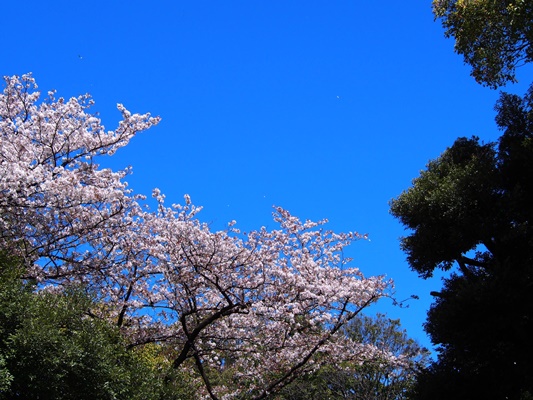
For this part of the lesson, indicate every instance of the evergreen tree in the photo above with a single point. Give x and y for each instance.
(473, 207)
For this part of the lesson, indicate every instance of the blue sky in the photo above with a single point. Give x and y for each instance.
(328, 109)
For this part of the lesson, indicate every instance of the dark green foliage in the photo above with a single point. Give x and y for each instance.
(329, 382)
(473, 206)
(50, 348)
(482, 324)
(493, 36)
(449, 206)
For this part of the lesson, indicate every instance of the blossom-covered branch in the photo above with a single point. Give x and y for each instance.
(267, 305)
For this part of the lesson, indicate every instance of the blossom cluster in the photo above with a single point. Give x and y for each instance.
(268, 305)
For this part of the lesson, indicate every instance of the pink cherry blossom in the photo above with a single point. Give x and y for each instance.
(269, 304)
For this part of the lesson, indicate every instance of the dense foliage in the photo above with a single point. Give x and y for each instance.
(494, 36)
(52, 348)
(373, 379)
(474, 206)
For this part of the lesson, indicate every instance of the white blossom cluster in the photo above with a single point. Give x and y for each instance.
(268, 305)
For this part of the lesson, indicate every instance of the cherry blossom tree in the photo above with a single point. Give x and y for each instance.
(265, 306)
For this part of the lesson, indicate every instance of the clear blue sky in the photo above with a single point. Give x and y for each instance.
(326, 108)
